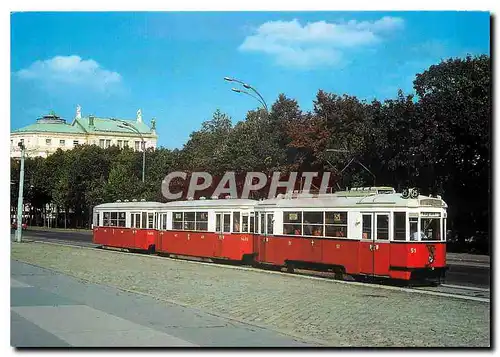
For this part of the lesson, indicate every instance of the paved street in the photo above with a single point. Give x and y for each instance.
(54, 310)
(465, 269)
(317, 310)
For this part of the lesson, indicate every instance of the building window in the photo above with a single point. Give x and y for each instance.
(137, 145)
(75, 142)
(125, 143)
(48, 141)
(62, 142)
(108, 143)
(101, 143)
(120, 144)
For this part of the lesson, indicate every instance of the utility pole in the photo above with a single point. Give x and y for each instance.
(20, 198)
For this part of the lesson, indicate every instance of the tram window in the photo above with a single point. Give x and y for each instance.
(227, 223)
(445, 232)
(121, 219)
(313, 223)
(177, 218)
(236, 221)
(114, 219)
(383, 226)
(189, 221)
(96, 223)
(292, 223)
(251, 224)
(336, 224)
(270, 220)
(144, 220)
(164, 221)
(262, 223)
(414, 229)
(137, 220)
(151, 220)
(367, 226)
(106, 217)
(217, 222)
(244, 223)
(399, 225)
(292, 229)
(430, 229)
(202, 221)
(256, 218)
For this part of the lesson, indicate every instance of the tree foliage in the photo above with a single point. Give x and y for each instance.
(438, 140)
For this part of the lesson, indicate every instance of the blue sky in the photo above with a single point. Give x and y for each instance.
(171, 65)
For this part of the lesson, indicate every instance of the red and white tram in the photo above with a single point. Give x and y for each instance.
(130, 225)
(219, 229)
(361, 232)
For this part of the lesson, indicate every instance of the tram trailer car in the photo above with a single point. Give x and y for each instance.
(129, 225)
(363, 232)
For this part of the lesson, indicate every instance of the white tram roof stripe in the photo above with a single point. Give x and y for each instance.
(335, 200)
(211, 204)
(130, 206)
(341, 201)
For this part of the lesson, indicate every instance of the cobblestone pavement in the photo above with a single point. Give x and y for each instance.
(336, 314)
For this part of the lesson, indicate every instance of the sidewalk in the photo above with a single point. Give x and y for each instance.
(468, 258)
(49, 309)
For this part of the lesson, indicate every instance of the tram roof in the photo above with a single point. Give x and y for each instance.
(211, 204)
(339, 200)
(141, 205)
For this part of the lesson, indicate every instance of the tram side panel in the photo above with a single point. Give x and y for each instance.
(342, 253)
(127, 238)
(427, 259)
(206, 244)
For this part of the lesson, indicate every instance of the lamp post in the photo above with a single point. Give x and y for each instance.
(20, 198)
(129, 126)
(247, 86)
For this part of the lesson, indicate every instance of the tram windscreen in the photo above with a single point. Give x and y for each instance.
(430, 229)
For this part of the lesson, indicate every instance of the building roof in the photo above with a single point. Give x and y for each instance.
(111, 126)
(54, 124)
(50, 127)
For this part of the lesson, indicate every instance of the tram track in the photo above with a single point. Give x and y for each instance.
(448, 290)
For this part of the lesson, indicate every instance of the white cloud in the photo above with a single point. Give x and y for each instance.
(71, 70)
(318, 43)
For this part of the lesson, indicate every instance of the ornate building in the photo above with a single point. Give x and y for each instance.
(51, 132)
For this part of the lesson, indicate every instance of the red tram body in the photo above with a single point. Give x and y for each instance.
(363, 232)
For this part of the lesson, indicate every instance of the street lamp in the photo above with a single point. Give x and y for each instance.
(247, 86)
(129, 126)
(20, 198)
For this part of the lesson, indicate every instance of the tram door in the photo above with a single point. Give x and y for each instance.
(222, 228)
(374, 255)
(265, 241)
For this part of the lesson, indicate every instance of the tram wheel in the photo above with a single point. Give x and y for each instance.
(290, 268)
